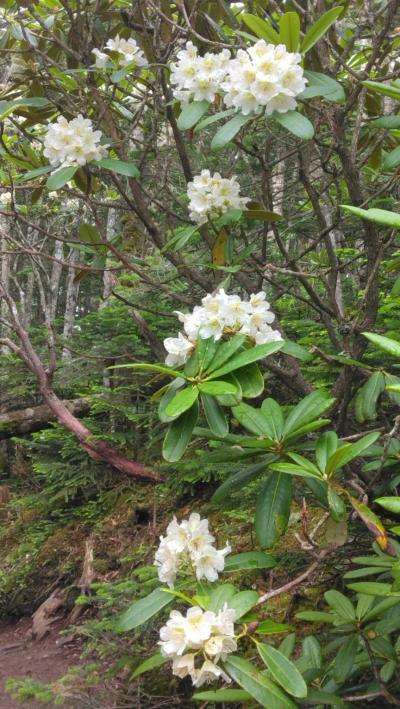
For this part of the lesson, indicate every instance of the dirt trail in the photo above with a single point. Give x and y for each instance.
(23, 658)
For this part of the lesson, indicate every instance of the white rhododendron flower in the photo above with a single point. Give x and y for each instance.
(221, 315)
(178, 348)
(210, 561)
(206, 635)
(101, 58)
(197, 78)
(210, 196)
(189, 545)
(73, 142)
(262, 77)
(128, 52)
(208, 673)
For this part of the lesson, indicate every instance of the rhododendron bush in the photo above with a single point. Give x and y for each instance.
(199, 252)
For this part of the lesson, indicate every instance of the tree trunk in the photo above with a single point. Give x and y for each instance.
(70, 304)
(55, 279)
(21, 421)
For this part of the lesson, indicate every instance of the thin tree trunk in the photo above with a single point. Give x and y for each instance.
(55, 279)
(70, 304)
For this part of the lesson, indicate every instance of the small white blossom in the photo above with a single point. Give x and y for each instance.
(219, 315)
(208, 634)
(211, 196)
(167, 561)
(197, 78)
(209, 672)
(263, 77)
(210, 561)
(198, 626)
(179, 349)
(73, 142)
(189, 544)
(173, 638)
(127, 51)
(183, 666)
(101, 58)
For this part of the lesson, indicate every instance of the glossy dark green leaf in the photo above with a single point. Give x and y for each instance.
(249, 560)
(294, 469)
(243, 602)
(372, 588)
(392, 504)
(150, 664)
(283, 670)
(251, 381)
(367, 396)
(228, 131)
(38, 172)
(345, 659)
(206, 349)
(119, 166)
(320, 27)
(272, 419)
(378, 216)
(265, 692)
(260, 27)
(179, 434)
(269, 627)
(222, 696)
(359, 447)
(191, 113)
(241, 359)
(322, 85)
(273, 508)
(392, 159)
(144, 609)
(295, 123)
(316, 616)
(60, 178)
(295, 350)
(217, 387)
(240, 479)
(386, 89)
(340, 604)
(220, 595)
(384, 343)
(289, 30)
(225, 352)
(325, 447)
(182, 401)
(215, 416)
(213, 119)
(392, 121)
(167, 397)
(251, 418)
(309, 408)
(337, 507)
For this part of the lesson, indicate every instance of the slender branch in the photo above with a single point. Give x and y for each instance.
(296, 582)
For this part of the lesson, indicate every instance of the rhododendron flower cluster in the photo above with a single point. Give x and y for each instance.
(128, 52)
(197, 78)
(262, 76)
(208, 636)
(73, 142)
(222, 314)
(210, 196)
(189, 545)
